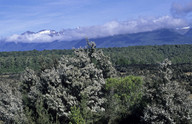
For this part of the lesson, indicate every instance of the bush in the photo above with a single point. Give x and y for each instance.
(63, 86)
(75, 116)
(124, 94)
(167, 101)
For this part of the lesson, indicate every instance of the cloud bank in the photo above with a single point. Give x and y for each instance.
(108, 29)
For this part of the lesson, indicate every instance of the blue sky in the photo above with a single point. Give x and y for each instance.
(18, 16)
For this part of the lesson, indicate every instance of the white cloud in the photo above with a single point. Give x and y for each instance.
(108, 29)
(32, 38)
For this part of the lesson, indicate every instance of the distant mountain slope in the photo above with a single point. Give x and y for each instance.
(157, 37)
(12, 46)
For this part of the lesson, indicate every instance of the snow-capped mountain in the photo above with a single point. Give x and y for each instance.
(183, 30)
(186, 28)
(42, 32)
(50, 39)
(48, 32)
(35, 37)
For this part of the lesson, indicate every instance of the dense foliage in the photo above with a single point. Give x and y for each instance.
(167, 101)
(84, 88)
(124, 96)
(14, 62)
(149, 54)
(63, 87)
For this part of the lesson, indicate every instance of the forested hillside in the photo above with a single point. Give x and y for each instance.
(14, 62)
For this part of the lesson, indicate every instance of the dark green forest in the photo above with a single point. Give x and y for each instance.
(129, 85)
(15, 62)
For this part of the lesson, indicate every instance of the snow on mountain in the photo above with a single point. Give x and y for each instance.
(48, 40)
(98, 31)
(186, 28)
(183, 30)
(45, 32)
(66, 35)
(48, 32)
(35, 37)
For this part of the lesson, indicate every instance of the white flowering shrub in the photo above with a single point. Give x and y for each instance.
(62, 87)
(167, 101)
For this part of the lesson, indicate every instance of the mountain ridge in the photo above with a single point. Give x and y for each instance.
(156, 37)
